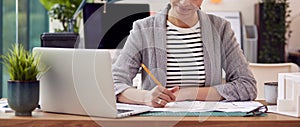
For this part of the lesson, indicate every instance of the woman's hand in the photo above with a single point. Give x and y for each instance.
(159, 96)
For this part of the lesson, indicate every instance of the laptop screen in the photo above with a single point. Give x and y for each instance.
(109, 29)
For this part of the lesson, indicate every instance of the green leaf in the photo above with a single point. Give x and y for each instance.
(21, 64)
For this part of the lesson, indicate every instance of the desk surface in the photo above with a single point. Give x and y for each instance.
(43, 119)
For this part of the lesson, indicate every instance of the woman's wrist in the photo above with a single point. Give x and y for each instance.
(133, 96)
(187, 93)
(197, 93)
(146, 97)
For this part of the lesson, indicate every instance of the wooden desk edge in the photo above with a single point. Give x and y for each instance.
(54, 120)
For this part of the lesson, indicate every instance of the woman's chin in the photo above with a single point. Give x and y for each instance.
(181, 11)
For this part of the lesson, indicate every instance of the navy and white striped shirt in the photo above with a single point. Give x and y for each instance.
(185, 62)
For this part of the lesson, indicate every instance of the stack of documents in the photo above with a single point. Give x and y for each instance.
(4, 106)
(204, 106)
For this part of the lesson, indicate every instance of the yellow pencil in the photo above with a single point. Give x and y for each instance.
(150, 74)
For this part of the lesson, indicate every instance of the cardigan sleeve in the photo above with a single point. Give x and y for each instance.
(127, 64)
(240, 83)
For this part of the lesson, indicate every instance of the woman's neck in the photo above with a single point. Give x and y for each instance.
(183, 22)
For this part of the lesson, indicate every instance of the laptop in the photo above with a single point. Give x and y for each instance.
(79, 81)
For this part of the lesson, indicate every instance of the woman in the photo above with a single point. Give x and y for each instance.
(186, 50)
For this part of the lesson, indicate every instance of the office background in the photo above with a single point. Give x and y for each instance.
(33, 20)
(246, 7)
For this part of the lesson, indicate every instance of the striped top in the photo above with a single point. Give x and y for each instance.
(185, 62)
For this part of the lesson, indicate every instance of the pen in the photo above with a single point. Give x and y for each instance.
(150, 74)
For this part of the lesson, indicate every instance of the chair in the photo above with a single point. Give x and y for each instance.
(269, 72)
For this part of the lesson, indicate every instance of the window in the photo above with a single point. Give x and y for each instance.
(1, 39)
(33, 20)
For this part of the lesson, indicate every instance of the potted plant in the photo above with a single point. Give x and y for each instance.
(23, 85)
(63, 11)
(273, 27)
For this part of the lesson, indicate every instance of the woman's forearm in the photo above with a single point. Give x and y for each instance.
(132, 96)
(135, 96)
(157, 97)
(198, 93)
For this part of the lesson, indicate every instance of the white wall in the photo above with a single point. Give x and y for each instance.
(247, 9)
(295, 26)
(245, 6)
(155, 5)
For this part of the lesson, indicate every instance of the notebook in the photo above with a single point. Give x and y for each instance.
(79, 81)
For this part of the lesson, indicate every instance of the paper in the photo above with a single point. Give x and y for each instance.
(204, 106)
(132, 106)
(4, 106)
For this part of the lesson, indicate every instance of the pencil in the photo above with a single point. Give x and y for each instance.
(150, 74)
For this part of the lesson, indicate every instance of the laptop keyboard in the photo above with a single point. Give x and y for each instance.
(123, 110)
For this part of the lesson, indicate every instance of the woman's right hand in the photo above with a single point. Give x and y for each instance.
(159, 96)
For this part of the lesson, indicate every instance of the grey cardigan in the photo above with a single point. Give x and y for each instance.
(147, 44)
